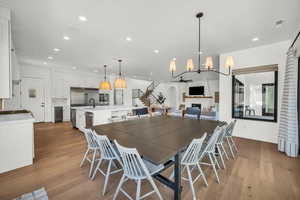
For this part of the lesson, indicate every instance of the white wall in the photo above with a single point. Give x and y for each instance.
(263, 55)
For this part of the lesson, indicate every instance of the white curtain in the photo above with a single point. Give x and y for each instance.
(288, 123)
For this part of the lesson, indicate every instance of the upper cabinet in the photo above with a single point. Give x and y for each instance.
(5, 54)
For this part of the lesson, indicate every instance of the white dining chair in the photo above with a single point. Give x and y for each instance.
(108, 153)
(209, 150)
(92, 147)
(137, 169)
(230, 141)
(220, 147)
(190, 160)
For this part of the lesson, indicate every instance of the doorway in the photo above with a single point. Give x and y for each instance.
(33, 97)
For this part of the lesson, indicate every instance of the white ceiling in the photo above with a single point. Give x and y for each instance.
(167, 25)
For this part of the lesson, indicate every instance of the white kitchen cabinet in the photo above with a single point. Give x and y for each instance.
(5, 54)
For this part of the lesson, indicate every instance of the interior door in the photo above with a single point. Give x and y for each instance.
(33, 97)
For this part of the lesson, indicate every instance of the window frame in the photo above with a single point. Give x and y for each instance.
(275, 98)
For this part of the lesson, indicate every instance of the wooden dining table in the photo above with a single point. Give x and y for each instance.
(159, 139)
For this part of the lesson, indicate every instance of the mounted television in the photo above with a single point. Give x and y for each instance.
(199, 90)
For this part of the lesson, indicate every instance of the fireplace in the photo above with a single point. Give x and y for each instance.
(196, 105)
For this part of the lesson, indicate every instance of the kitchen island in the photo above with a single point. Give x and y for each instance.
(16, 140)
(101, 114)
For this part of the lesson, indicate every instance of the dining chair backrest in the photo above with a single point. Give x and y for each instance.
(191, 155)
(222, 133)
(230, 128)
(106, 148)
(133, 165)
(210, 147)
(90, 139)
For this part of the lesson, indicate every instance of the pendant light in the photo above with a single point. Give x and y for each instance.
(105, 85)
(120, 82)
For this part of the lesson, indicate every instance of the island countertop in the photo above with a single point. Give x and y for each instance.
(16, 118)
(104, 108)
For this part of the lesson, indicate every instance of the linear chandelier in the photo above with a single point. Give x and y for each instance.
(208, 63)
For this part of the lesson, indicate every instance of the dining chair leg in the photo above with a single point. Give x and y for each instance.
(84, 157)
(233, 143)
(119, 187)
(92, 163)
(202, 174)
(216, 161)
(97, 168)
(191, 182)
(230, 147)
(226, 155)
(221, 155)
(138, 190)
(214, 167)
(107, 177)
(155, 188)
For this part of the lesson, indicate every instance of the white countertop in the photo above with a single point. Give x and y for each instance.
(16, 118)
(105, 108)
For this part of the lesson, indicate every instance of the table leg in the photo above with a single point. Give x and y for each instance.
(177, 177)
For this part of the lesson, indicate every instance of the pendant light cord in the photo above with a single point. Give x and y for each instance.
(105, 72)
(120, 68)
(199, 49)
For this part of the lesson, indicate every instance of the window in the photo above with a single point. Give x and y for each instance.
(254, 93)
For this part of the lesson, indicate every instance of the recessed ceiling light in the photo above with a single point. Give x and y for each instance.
(74, 68)
(56, 49)
(128, 39)
(50, 57)
(82, 18)
(156, 51)
(255, 39)
(66, 37)
(134, 76)
(279, 23)
(45, 63)
(96, 71)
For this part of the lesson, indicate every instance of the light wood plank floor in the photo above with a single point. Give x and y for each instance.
(259, 172)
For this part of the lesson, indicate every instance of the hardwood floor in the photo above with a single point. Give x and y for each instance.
(259, 172)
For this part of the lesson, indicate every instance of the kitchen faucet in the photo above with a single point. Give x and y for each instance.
(92, 100)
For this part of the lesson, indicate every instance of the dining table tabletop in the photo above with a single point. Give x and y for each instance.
(159, 140)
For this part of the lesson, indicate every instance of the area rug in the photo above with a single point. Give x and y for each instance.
(39, 194)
